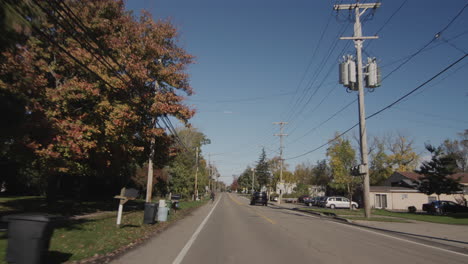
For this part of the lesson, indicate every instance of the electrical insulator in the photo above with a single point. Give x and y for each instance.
(373, 74)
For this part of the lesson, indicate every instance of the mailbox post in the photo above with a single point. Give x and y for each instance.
(125, 196)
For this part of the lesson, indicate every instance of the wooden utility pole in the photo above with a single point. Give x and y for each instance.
(253, 179)
(149, 182)
(358, 42)
(196, 175)
(281, 135)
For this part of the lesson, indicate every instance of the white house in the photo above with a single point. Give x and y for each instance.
(399, 192)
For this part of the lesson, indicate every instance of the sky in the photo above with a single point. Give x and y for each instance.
(265, 61)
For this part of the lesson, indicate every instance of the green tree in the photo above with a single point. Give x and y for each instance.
(341, 159)
(380, 168)
(262, 170)
(245, 180)
(304, 173)
(183, 166)
(437, 173)
(321, 173)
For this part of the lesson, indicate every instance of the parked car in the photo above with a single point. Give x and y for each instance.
(338, 202)
(320, 200)
(274, 198)
(309, 200)
(302, 197)
(259, 198)
(444, 207)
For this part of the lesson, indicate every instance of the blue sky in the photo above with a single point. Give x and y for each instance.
(263, 61)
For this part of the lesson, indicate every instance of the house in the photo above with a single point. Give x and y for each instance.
(400, 191)
(285, 187)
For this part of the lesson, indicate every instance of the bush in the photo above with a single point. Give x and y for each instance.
(411, 209)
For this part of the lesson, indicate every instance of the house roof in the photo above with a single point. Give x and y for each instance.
(415, 176)
(411, 175)
(392, 189)
(463, 177)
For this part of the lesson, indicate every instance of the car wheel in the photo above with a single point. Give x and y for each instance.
(332, 206)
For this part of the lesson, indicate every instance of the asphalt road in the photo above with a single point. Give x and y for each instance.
(231, 231)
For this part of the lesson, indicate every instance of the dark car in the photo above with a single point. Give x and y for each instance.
(302, 197)
(309, 201)
(444, 207)
(259, 198)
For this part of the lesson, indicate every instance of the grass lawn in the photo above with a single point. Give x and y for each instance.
(454, 219)
(338, 212)
(377, 219)
(88, 237)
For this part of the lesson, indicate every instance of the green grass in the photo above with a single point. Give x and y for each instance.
(454, 219)
(377, 219)
(338, 212)
(84, 238)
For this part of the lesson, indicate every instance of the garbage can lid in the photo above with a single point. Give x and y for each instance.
(37, 217)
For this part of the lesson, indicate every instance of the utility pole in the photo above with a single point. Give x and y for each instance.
(149, 180)
(253, 179)
(358, 43)
(281, 135)
(196, 176)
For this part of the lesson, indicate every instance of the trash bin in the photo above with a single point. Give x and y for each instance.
(150, 213)
(162, 214)
(28, 237)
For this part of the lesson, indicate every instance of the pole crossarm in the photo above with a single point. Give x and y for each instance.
(353, 6)
(359, 38)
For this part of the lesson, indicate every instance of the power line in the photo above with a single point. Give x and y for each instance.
(386, 107)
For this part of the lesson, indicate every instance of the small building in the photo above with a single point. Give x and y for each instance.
(400, 191)
(285, 188)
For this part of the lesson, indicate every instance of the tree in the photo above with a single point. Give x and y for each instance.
(304, 173)
(402, 157)
(88, 94)
(437, 173)
(459, 150)
(183, 166)
(380, 168)
(342, 158)
(262, 170)
(321, 173)
(275, 167)
(245, 179)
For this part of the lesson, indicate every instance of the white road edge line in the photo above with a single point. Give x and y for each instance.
(187, 246)
(397, 238)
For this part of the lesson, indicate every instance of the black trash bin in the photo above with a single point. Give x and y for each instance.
(151, 210)
(28, 237)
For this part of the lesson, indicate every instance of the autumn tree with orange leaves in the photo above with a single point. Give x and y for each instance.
(87, 86)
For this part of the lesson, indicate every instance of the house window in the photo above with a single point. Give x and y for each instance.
(380, 201)
(431, 199)
(404, 196)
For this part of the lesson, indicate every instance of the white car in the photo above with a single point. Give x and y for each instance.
(338, 202)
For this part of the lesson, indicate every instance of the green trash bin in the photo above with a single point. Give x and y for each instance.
(28, 237)
(150, 213)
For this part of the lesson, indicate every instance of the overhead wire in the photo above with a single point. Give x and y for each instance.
(386, 107)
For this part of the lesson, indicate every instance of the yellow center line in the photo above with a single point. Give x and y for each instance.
(255, 211)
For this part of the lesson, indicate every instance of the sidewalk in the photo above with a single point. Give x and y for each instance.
(452, 235)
